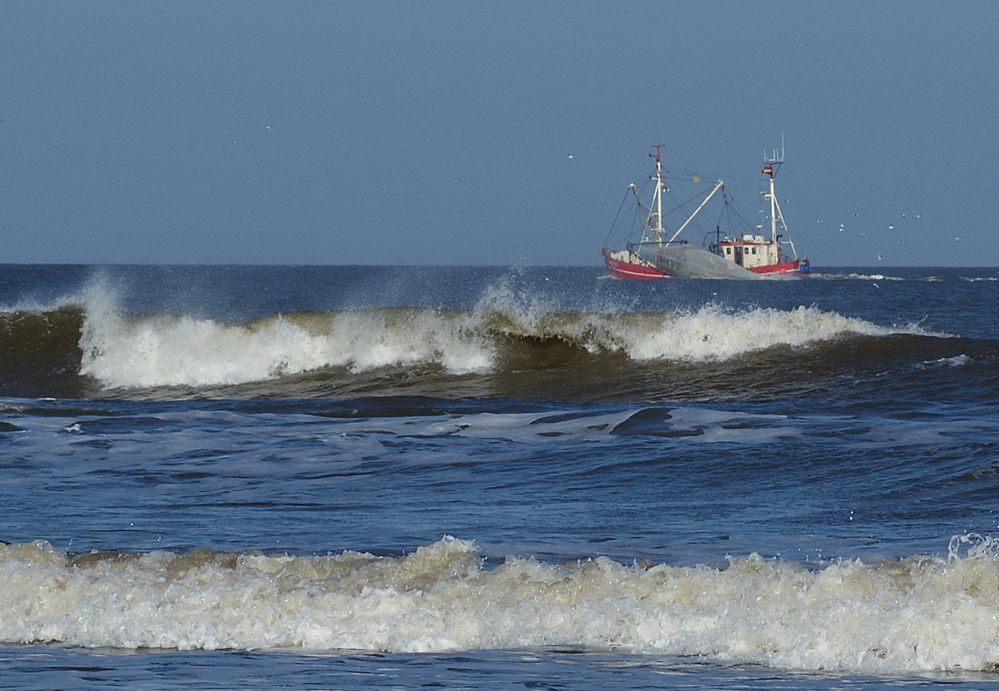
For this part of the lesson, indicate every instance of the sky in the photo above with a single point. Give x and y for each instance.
(487, 133)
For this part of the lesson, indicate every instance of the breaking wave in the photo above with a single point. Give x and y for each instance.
(92, 345)
(916, 614)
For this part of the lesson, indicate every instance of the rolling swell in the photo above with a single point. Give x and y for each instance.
(712, 353)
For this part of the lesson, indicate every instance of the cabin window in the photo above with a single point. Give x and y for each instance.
(728, 250)
(754, 250)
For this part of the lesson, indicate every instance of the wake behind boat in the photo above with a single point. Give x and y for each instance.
(747, 256)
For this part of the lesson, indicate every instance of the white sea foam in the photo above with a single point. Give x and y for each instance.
(712, 333)
(956, 361)
(857, 277)
(168, 350)
(913, 615)
(709, 333)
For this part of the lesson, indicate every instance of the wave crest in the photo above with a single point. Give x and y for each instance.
(506, 332)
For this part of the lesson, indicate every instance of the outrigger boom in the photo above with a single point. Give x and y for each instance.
(718, 185)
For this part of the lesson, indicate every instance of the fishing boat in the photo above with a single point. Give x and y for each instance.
(748, 255)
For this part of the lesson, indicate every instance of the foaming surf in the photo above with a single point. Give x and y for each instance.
(124, 352)
(508, 338)
(854, 276)
(897, 616)
(167, 350)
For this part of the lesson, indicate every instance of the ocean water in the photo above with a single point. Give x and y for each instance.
(497, 477)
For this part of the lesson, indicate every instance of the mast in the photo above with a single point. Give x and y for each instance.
(654, 223)
(654, 230)
(771, 164)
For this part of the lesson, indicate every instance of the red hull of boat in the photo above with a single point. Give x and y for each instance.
(798, 266)
(623, 269)
(643, 272)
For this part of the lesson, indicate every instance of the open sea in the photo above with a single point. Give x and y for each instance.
(396, 477)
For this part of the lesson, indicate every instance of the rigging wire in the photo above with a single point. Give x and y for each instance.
(732, 211)
(631, 188)
(688, 175)
(733, 217)
(688, 202)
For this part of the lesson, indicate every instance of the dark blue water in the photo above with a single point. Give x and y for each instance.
(356, 476)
